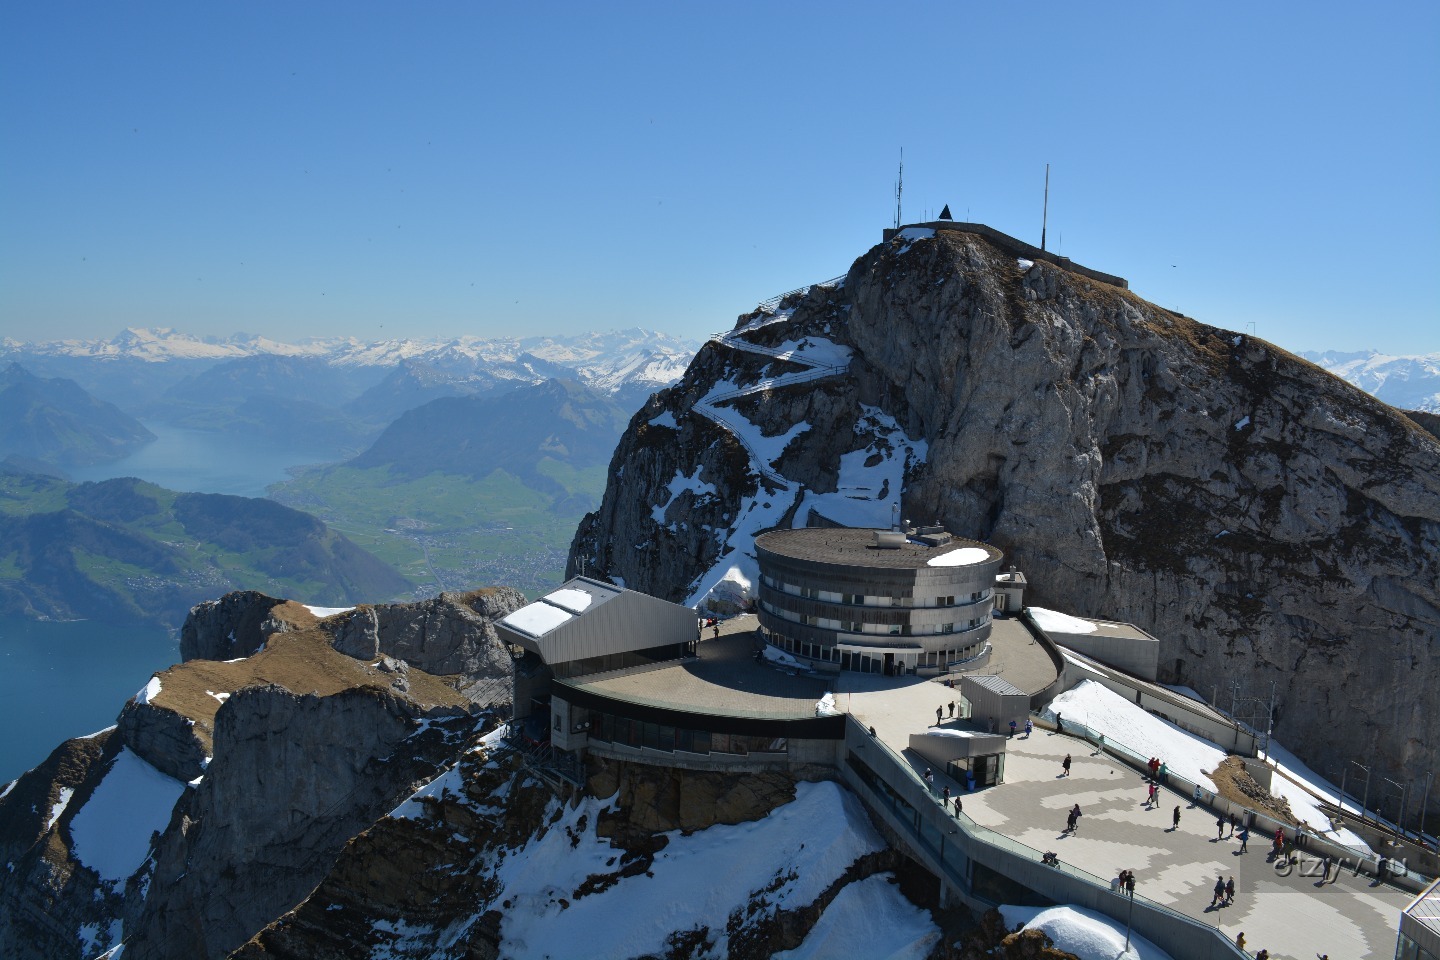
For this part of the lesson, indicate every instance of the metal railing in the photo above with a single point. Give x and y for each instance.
(775, 301)
(1311, 841)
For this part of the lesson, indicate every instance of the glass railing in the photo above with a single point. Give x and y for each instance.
(1258, 819)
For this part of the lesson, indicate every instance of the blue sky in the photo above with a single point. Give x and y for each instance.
(440, 169)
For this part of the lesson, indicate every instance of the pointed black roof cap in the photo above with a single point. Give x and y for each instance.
(945, 214)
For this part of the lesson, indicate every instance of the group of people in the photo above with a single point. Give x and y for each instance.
(1126, 882)
(1158, 770)
(1224, 892)
(1072, 820)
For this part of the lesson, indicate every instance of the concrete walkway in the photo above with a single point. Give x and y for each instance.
(1292, 916)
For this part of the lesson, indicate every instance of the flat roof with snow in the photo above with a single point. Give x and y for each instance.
(559, 606)
(856, 547)
(587, 618)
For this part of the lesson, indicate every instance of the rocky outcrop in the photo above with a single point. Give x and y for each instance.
(453, 633)
(234, 626)
(288, 752)
(293, 778)
(48, 900)
(164, 738)
(1264, 519)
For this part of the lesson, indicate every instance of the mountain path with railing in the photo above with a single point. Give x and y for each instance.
(816, 370)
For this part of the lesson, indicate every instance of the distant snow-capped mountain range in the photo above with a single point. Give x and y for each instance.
(1404, 382)
(608, 361)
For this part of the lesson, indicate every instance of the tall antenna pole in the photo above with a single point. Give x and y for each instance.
(1045, 217)
(900, 187)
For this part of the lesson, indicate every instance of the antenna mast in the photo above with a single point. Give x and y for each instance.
(899, 187)
(1045, 216)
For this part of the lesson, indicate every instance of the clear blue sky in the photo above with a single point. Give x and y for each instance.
(428, 168)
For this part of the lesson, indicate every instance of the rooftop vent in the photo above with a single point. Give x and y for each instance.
(889, 540)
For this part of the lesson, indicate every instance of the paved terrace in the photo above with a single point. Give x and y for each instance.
(723, 679)
(1292, 916)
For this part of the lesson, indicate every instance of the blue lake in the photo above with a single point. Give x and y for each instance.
(65, 680)
(196, 461)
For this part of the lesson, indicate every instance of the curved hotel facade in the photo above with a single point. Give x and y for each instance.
(873, 600)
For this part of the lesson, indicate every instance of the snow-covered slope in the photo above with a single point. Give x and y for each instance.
(487, 860)
(1085, 933)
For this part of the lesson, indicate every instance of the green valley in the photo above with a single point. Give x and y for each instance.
(126, 551)
(448, 531)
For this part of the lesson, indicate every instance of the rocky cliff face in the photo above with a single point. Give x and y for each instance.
(294, 777)
(229, 784)
(1261, 517)
(452, 634)
(489, 861)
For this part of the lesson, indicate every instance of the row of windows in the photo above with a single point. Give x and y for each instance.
(874, 600)
(919, 660)
(861, 627)
(661, 736)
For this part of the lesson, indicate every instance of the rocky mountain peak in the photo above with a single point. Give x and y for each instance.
(1260, 516)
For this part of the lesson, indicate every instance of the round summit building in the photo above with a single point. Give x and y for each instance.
(875, 601)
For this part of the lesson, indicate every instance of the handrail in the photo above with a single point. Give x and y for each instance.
(774, 301)
(706, 407)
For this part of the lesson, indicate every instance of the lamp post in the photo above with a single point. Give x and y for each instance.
(1365, 803)
(1404, 788)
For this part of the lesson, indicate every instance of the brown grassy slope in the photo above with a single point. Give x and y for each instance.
(302, 662)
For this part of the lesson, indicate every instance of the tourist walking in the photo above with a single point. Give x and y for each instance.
(1164, 772)
(1219, 894)
(929, 780)
(1219, 828)
(1230, 890)
(952, 708)
(1066, 764)
(945, 797)
(1059, 727)
(1325, 869)
(1234, 822)
(1244, 838)
(1029, 728)
(1075, 818)
(939, 715)
(1012, 728)
(1152, 796)
(1176, 818)
(1195, 798)
(1240, 940)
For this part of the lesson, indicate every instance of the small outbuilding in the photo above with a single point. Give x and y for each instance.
(995, 702)
(969, 757)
